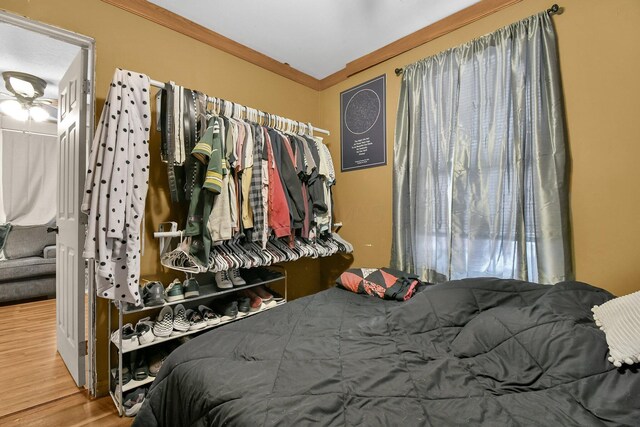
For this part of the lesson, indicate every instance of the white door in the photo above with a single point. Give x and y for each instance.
(70, 276)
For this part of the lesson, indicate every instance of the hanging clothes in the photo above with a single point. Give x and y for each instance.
(279, 219)
(208, 156)
(179, 124)
(116, 187)
(327, 174)
(256, 187)
(272, 182)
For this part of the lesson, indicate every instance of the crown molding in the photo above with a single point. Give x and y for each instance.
(175, 22)
(437, 29)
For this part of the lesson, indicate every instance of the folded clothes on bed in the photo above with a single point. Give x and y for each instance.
(385, 283)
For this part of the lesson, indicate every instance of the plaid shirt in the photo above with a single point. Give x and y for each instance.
(255, 190)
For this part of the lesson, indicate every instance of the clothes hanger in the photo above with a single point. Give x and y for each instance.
(180, 259)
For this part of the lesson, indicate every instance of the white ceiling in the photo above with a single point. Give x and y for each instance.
(317, 37)
(30, 52)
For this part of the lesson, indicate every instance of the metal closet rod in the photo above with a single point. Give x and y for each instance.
(553, 10)
(28, 132)
(161, 85)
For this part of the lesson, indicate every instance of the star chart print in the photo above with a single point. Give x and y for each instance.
(363, 125)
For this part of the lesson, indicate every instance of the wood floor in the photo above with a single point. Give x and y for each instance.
(37, 389)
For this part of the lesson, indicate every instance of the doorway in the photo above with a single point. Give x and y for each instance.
(46, 117)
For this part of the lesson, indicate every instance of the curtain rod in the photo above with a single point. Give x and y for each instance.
(553, 10)
(27, 132)
(161, 85)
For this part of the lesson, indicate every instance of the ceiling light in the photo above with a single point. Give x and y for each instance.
(26, 87)
(15, 110)
(22, 87)
(38, 114)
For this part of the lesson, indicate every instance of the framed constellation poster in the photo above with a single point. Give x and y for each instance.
(363, 127)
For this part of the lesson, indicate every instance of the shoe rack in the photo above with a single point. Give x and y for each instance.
(208, 293)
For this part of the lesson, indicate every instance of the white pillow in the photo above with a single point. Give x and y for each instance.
(620, 321)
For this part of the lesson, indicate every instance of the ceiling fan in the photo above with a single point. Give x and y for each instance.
(25, 99)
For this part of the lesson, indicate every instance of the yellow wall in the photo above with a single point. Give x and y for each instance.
(127, 41)
(600, 64)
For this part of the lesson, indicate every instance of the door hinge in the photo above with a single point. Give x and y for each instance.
(83, 348)
(86, 85)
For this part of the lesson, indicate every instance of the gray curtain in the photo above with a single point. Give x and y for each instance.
(480, 187)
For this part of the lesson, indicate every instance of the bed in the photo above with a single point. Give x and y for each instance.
(470, 352)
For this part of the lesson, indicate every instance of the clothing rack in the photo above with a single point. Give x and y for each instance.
(278, 122)
(553, 10)
(27, 132)
(180, 233)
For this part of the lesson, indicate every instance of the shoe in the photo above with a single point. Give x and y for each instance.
(276, 296)
(164, 323)
(139, 366)
(264, 295)
(129, 337)
(126, 375)
(269, 275)
(174, 291)
(133, 401)
(244, 305)
(155, 362)
(144, 330)
(180, 322)
(222, 280)
(191, 288)
(255, 302)
(251, 276)
(133, 307)
(236, 279)
(153, 294)
(228, 310)
(209, 315)
(196, 321)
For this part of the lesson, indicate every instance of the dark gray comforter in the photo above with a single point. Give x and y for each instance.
(472, 352)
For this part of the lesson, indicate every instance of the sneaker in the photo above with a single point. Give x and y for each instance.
(276, 296)
(222, 280)
(263, 293)
(139, 366)
(196, 321)
(174, 291)
(228, 310)
(153, 294)
(255, 302)
(144, 330)
(126, 375)
(236, 279)
(208, 315)
(268, 275)
(140, 305)
(129, 337)
(155, 362)
(133, 401)
(244, 305)
(191, 288)
(180, 322)
(164, 323)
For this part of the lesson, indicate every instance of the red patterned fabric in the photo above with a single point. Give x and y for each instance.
(384, 283)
